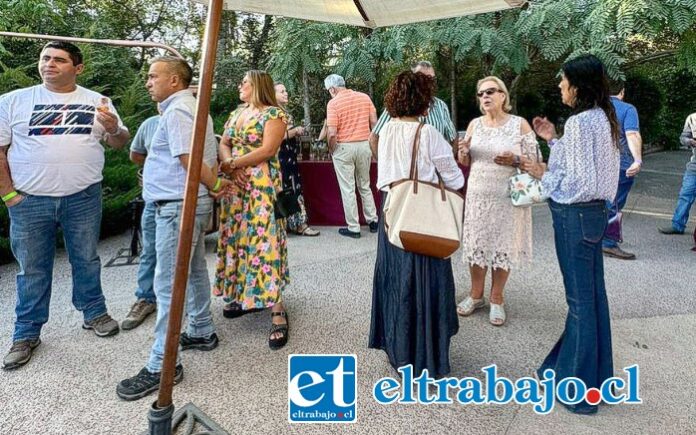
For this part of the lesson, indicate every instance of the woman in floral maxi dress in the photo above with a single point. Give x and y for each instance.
(251, 269)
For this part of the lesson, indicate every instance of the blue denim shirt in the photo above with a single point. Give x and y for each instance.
(584, 163)
(163, 176)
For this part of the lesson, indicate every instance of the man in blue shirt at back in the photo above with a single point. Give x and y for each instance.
(631, 163)
(146, 301)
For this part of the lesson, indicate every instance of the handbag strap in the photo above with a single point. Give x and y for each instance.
(413, 173)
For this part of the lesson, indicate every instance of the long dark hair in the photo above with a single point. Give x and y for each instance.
(587, 74)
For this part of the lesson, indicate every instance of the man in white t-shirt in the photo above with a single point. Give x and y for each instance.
(50, 177)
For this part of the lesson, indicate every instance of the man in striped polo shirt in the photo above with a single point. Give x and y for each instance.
(438, 114)
(350, 116)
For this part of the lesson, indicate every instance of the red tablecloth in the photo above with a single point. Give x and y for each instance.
(323, 196)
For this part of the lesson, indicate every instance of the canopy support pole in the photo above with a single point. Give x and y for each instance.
(160, 416)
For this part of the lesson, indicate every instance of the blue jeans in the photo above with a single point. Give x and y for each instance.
(167, 219)
(148, 255)
(584, 349)
(34, 226)
(687, 194)
(615, 206)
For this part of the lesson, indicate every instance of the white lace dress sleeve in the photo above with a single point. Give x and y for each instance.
(530, 147)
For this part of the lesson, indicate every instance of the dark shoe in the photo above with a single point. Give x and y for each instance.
(209, 343)
(144, 383)
(103, 326)
(374, 227)
(619, 253)
(348, 233)
(279, 329)
(234, 310)
(669, 230)
(138, 313)
(20, 353)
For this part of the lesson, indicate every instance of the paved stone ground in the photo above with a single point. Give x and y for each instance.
(69, 386)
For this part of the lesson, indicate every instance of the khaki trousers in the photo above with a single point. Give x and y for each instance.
(352, 164)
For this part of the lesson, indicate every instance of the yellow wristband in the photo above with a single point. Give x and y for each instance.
(9, 196)
(217, 184)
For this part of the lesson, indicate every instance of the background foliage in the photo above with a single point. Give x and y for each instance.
(650, 43)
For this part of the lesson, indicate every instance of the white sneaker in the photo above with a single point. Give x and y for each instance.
(469, 305)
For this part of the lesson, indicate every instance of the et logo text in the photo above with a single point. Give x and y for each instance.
(322, 388)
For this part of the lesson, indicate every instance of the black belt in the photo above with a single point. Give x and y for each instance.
(163, 202)
(592, 203)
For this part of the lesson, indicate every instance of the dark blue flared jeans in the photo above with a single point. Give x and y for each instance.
(584, 349)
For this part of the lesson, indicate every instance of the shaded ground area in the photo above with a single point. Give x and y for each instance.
(69, 386)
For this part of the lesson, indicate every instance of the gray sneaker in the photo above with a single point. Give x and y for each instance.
(20, 353)
(138, 313)
(103, 326)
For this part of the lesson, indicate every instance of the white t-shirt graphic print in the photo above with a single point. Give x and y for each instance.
(54, 140)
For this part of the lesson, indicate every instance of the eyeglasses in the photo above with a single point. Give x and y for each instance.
(489, 91)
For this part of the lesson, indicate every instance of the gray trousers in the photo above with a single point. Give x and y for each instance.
(352, 164)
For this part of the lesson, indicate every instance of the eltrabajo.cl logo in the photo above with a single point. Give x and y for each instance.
(322, 388)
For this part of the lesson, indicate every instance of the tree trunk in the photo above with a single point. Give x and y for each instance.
(453, 89)
(371, 90)
(305, 97)
(514, 85)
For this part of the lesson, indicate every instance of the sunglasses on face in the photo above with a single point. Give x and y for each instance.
(489, 91)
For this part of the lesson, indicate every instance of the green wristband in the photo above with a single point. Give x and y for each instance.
(217, 184)
(9, 196)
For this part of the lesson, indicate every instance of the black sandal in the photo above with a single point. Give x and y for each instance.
(283, 328)
(234, 310)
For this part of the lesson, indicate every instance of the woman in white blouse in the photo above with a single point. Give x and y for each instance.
(496, 235)
(413, 312)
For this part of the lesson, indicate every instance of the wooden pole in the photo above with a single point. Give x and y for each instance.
(183, 255)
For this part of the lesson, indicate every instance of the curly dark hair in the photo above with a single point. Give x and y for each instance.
(409, 94)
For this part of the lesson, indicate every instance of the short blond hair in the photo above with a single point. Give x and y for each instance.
(501, 85)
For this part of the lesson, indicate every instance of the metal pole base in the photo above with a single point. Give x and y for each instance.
(162, 421)
(124, 257)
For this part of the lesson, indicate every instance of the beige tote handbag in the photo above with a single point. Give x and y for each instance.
(421, 217)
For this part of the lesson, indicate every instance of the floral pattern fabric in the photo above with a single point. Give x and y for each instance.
(584, 163)
(252, 266)
(292, 182)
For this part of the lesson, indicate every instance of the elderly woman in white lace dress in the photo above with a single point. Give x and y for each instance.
(496, 235)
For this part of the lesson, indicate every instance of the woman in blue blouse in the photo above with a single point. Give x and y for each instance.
(582, 173)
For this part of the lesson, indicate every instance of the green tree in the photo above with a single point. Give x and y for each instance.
(301, 48)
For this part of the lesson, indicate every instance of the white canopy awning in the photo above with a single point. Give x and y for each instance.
(369, 13)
